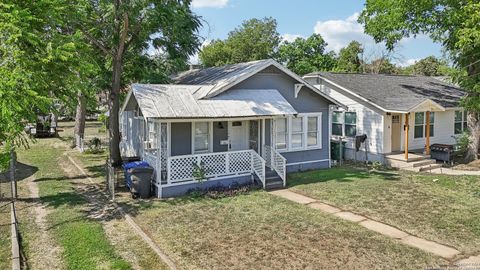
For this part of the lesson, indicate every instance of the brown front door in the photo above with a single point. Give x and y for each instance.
(396, 132)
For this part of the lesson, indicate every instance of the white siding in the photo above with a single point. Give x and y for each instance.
(369, 122)
(443, 130)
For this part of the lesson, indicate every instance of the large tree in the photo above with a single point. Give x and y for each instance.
(39, 63)
(349, 58)
(123, 29)
(428, 66)
(255, 39)
(303, 56)
(454, 23)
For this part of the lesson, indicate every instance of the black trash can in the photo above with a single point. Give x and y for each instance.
(141, 178)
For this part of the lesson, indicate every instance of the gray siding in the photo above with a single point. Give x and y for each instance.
(181, 139)
(220, 134)
(307, 100)
(307, 167)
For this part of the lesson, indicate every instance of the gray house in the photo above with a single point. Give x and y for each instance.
(250, 121)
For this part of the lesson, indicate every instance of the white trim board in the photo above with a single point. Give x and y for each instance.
(306, 162)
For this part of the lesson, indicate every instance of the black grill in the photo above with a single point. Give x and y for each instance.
(442, 152)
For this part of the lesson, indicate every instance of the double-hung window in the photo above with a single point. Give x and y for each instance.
(337, 123)
(313, 131)
(420, 129)
(201, 137)
(153, 134)
(299, 133)
(350, 124)
(281, 133)
(344, 123)
(460, 122)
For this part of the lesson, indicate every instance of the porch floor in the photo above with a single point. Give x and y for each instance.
(400, 156)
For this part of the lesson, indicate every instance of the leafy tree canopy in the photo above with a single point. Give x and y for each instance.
(349, 58)
(303, 56)
(454, 23)
(255, 39)
(39, 63)
(122, 31)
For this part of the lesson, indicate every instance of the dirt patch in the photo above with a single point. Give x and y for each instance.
(127, 244)
(472, 166)
(47, 253)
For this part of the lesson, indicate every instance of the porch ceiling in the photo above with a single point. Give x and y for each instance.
(178, 101)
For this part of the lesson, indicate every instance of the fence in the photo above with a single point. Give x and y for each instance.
(91, 142)
(8, 188)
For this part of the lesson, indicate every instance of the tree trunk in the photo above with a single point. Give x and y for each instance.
(79, 131)
(473, 123)
(114, 106)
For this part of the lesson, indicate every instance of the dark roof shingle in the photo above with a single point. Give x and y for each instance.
(396, 92)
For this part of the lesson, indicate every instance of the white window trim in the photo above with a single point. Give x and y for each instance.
(424, 126)
(342, 122)
(305, 133)
(210, 137)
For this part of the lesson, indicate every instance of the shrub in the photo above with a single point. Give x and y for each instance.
(94, 146)
(221, 191)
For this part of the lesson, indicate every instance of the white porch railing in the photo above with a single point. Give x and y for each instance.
(180, 169)
(277, 162)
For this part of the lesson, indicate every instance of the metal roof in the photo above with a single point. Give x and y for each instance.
(394, 92)
(220, 79)
(178, 101)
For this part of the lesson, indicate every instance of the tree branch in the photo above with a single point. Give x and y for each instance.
(96, 42)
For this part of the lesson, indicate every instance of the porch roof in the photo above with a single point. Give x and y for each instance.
(178, 101)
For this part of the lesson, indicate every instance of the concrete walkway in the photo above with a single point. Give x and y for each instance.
(382, 228)
(449, 171)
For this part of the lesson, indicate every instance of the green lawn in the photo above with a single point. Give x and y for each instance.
(5, 241)
(445, 209)
(262, 231)
(82, 239)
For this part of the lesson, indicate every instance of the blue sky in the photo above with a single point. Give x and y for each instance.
(334, 20)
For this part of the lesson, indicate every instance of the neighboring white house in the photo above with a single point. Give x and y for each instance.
(388, 107)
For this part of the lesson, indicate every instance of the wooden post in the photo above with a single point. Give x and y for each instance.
(406, 136)
(427, 135)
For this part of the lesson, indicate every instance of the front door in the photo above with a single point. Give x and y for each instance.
(237, 135)
(396, 132)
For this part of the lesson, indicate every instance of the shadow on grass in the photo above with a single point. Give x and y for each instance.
(339, 174)
(60, 178)
(22, 172)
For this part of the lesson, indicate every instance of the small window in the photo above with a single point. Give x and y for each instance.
(337, 124)
(297, 132)
(281, 133)
(201, 137)
(460, 124)
(312, 131)
(419, 120)
(350, 124)
(237, 124)
(432, 124)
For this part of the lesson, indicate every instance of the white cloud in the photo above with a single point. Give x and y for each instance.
(408, 62)
(338, 33)
(291, 37)
(209, 3)
(194, 60)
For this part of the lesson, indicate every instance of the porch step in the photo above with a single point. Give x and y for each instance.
(273, 183)
(430, 167)
(422, 163)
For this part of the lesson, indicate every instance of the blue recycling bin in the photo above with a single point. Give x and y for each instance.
(132, 165)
